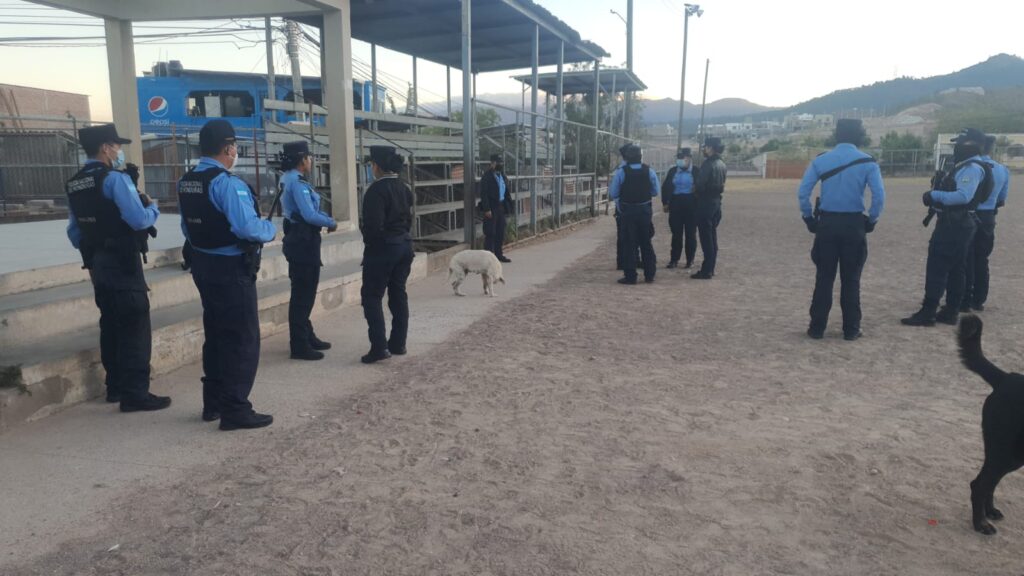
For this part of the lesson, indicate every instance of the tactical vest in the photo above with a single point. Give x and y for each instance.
(636, 186)
(984, 190)
(301, 243)
(98, 217)
(208, 228)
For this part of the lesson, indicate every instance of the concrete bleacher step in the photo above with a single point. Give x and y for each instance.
(53, 309)
(49, 324)
(36, 381)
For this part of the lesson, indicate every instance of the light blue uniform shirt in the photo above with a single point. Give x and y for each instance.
(230, 195)
(118, 187)
(299, 196)
(615, 186)
(968, 178)
(682, 182)
(843, 192)
(1001, 185)
(501, 186)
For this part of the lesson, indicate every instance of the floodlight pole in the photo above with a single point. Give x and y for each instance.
(691, 9)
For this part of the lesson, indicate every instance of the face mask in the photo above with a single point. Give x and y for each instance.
(119, 161)
(682, 163)
(234, 159)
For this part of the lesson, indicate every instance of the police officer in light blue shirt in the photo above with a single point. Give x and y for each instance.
(955, 199)
(977, 278)
(679, 200)
(107, 222)
(633, 188)
(220, 219)
(302, 224)
(839, 224)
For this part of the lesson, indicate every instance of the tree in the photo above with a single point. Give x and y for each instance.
(485, 117)
(902, 151)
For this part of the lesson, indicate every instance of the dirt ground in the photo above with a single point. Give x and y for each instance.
(682, 427)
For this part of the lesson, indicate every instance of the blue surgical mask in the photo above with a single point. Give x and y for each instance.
(119, 162)
(682, 163)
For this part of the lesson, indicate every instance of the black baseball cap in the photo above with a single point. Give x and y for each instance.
(214, 135)
(381, 154)
(296, 149)
(96, 136)
(496, 158)
(969, 136)
(684, 153)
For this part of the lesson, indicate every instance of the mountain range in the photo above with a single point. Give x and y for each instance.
(881, 98)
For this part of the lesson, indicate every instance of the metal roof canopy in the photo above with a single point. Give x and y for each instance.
(153, 10)
(582, 81)
(502, 32)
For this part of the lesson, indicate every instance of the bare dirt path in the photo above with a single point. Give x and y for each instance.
(589, 428)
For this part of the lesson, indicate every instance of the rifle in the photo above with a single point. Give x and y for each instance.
(937, 178)
(142, 236)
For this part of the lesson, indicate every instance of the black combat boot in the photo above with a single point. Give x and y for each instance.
(947, 315)
(318, 344)
(923, 317)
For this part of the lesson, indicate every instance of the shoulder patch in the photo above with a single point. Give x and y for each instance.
(242, 192)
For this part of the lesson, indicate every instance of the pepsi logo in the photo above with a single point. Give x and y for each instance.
(158, 106)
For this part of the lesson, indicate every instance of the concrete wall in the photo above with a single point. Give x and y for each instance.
(40, 102)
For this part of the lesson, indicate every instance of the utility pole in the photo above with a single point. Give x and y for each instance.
(703, 103)
(292, 28)
(627, 122)
(691, 10)
(271, 80)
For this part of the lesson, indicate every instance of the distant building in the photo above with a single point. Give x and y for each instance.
(19, 103)
(808, 121)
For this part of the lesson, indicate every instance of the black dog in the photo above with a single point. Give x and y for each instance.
(1002, 425)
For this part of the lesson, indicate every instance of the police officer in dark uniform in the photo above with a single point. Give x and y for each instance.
(108, 219)
(680, 202)
(495, 205)
(387, 256)
(976, 291)
(840, 226)
(633, 188)
(302, 223)
(710, 184)
(954, 200)
(220, 218)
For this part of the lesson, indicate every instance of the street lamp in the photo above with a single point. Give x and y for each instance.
(691, 10)
(621, 17)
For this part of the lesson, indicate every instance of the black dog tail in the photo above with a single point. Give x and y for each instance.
(969, 338)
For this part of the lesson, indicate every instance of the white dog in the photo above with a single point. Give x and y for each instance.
(482, 262)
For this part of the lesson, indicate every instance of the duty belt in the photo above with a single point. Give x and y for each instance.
(635, 203)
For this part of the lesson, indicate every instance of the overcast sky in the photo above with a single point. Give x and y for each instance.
(772, 53)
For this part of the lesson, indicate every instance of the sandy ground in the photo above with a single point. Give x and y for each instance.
(589, 428)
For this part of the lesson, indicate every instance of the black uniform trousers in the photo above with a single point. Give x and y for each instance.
(682, 220)
(126, 337)
(636, 232)
(494, 231)
(305, 280)
(231, 324)
(840, 244)
(709, 215)
(947, 258)
(977, 277)
(386, 269)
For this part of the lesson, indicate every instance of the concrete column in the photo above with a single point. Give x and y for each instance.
(124, 94)
(337, 43)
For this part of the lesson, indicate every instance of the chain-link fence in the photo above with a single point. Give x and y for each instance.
(35, 164)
